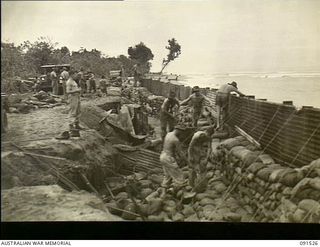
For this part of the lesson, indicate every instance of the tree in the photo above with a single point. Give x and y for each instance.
(12, 62)
(38, 53)
(141, 55)
(61, 55)
(174, 52)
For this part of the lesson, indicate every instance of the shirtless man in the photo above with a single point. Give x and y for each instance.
(172, 149)
(222, 100)
(197, 100)
(198, 154)
(167, 119)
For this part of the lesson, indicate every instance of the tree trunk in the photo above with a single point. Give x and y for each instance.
(165, 65)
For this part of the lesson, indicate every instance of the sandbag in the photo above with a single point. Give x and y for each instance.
(154, 205)
(145, 192)
(291, 178)
(287, 206)
(200, 196)
(230, 143)
(130, 208)
(122, 195)
(299, 216)
(304, 183)
(207, 201)
(265, 173)
(178, 217)
(240, 152)
(310, 206)
(145, 183)
(255, 167)
(219, 187)
(266, 159)
(208, 210)
(232, 217)
(313, 169)
(188, 210)
(192, 218)
(275, 175)
(112, 207)
(250, 158)
(315, 183)
(156, 178)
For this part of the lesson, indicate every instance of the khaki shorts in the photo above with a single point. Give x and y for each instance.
(221, 99)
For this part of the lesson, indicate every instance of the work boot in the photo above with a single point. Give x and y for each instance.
(63, 136)
(74, 133)
(71, 126)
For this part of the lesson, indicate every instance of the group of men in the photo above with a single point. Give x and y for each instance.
(86, 81)
(200, 145)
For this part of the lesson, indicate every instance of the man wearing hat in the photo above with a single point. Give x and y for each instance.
(222, 99)
(171, 150)
(197, 100)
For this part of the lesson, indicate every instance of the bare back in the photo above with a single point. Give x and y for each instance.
(171, 143)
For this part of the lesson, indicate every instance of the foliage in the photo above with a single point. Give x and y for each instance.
(12, 62)
(141, 55)
(26, 59)
(174, 52)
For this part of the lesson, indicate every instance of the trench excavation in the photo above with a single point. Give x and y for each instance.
(118, 175)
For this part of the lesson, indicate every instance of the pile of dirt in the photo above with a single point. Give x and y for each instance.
(52, 203)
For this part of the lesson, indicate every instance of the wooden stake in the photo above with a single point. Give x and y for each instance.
(247, 136)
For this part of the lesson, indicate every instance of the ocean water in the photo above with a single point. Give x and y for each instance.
(302, 89)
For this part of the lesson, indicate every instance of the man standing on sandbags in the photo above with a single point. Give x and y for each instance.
(197, 101)
(222, 100)
(167, 118)
(73, 91)
(198, 155)
(171, 150)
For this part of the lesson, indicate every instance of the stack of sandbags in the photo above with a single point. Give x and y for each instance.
(306, 211)
(155, 102)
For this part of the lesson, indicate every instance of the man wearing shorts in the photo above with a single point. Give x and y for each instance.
(172, 149)
(222, 99)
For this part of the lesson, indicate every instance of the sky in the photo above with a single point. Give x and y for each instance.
(216, 36)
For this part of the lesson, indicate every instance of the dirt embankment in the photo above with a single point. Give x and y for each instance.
(31, 156)
(52, 203)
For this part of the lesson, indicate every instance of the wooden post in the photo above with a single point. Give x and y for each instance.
(287, 102)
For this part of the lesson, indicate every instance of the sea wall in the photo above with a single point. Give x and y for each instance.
(289, 135)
